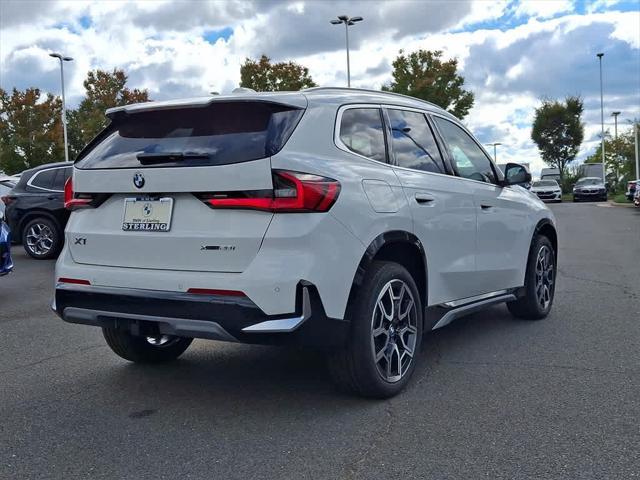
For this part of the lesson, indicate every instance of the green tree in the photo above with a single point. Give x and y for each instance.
(619, 157)
(423, 74)
(30, 130)
(571, 175)
(103, 90)
(558, 131)
(264, 76)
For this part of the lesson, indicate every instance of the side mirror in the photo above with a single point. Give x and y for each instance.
(516, 174)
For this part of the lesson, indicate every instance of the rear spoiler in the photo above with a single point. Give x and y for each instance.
(292, 99)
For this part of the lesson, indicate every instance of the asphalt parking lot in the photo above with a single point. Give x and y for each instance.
(492, 398)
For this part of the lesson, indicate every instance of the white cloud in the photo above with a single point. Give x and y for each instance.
(484, 11)
(519, 53)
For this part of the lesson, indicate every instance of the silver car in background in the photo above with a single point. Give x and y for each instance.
(590, 188)
(547, 190)
(7, 182)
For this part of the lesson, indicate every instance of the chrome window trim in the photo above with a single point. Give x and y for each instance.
(340, 144)
(30, 181)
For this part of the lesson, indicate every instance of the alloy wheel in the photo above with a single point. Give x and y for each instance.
(544, 277)
(394, 330)
(39, 239)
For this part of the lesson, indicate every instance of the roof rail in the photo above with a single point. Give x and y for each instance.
(243, 90)
(368, 90)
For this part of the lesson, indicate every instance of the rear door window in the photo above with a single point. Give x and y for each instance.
(413, 143)
(362, 132)
(221, 133)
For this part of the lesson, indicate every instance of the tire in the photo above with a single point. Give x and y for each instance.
(354, 367)
(42, 238)
(539, 288)
(141, 349)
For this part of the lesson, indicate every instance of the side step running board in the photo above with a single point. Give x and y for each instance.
(468, 308)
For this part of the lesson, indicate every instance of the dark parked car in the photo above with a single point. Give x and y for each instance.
(589, 188)
(35, 209)
(6, 265)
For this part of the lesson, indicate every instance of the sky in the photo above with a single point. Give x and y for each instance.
(511, 53)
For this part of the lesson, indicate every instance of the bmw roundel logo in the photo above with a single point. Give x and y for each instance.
(138, 180)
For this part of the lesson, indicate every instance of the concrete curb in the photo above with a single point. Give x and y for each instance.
(614, 204)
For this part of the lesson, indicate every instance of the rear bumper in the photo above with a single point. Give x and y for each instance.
(214, 317)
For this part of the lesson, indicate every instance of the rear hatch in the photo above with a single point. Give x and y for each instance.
(148, 175)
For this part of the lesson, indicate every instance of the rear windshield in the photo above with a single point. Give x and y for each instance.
(219, 134)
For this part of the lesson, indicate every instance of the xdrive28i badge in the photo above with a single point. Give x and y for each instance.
(138, 180)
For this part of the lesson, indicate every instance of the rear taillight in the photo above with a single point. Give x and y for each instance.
(75, 281)
(8, 199)
(74, 201)
(293, 192)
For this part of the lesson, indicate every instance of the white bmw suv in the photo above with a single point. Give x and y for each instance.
(345, 219)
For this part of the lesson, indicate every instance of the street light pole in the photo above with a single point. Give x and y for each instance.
(604, 176)
(615, 120)
(615, 138)
(64, 106)
(636, 132)
(346, 32)
(348, 21)
(495, 151)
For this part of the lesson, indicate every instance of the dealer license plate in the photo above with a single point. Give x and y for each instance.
(152, 215)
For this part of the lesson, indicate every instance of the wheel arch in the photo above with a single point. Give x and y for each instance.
(547, 228)
(398, 246)
(32, 215)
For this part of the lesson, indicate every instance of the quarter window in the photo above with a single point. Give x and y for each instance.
(61, 177)
(471, 162)
(362, 132)
(414, 145)
(44, 179)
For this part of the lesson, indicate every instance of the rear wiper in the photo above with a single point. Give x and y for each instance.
(167, 157)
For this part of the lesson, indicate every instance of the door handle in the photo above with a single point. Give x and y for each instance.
(486, 208)
(423, 198)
